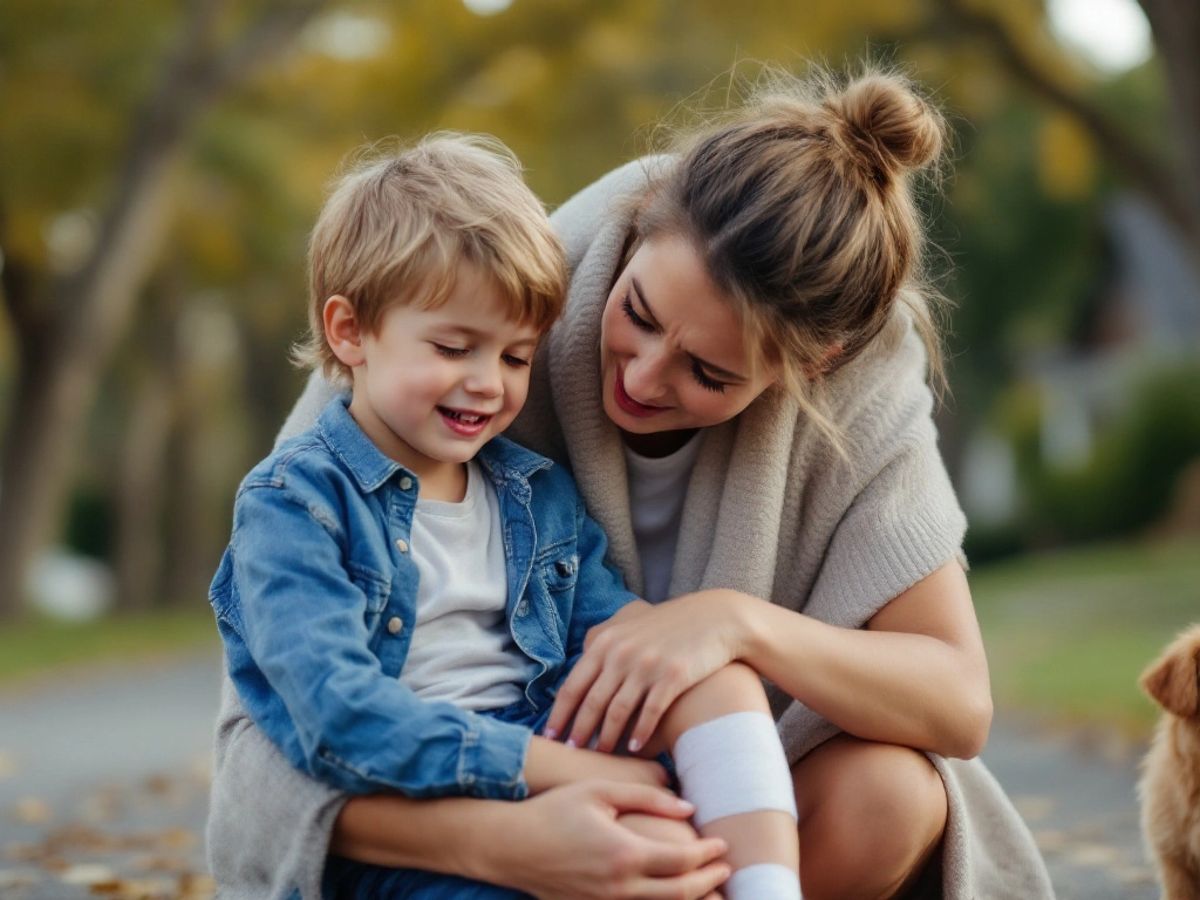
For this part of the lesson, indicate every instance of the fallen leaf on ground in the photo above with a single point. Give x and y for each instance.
(89, 875)
(1094, 855)
(32, 811)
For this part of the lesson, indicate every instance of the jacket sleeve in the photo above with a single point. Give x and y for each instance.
(269, 825)
(303, 623)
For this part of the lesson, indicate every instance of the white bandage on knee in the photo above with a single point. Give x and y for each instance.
(734, 764)
(762, 881)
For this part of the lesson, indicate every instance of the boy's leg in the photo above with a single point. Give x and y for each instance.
(731, 765)
(361, 881)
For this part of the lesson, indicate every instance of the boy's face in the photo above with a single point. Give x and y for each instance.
(435, 385)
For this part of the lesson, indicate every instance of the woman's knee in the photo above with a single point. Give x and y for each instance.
(871, 816)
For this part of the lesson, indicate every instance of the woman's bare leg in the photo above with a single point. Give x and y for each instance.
(871, 818)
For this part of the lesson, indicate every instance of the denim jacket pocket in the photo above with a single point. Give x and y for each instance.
(375, 587)
(557, 570)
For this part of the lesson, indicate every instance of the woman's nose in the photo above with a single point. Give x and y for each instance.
(645, 377)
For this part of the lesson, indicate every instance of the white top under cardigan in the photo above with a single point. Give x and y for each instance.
(657, 490)
(771, 509)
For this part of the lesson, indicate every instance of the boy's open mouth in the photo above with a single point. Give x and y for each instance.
(462, 422)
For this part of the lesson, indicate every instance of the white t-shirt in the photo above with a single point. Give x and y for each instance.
(462, 650)
(657, 488)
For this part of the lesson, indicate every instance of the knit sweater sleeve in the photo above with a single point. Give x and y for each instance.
(896, 514)
(269, 825)
(898, 519)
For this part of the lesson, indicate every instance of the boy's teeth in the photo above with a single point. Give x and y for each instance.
(467, 418)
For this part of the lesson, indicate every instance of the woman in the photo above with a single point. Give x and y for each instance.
(739, 386)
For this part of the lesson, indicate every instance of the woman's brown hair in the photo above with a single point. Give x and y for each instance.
(801, 204)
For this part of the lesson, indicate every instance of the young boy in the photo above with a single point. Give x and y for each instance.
(404, 590)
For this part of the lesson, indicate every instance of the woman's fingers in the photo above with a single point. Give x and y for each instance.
(620, 710)
(658, 700)
(593, 707)
(695, 884)
(570, 694)
(627, 797)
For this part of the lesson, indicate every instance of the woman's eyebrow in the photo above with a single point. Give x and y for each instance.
(715, 369)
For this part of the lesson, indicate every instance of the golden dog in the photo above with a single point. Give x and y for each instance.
(1170, 784)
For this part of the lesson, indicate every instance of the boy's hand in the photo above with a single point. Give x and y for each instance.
(550, 764)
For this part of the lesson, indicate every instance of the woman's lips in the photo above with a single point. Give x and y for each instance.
(628, 404)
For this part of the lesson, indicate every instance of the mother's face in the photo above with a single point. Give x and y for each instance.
(671, 348)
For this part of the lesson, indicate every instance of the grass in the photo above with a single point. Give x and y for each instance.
(1069, 633)
(36, 645)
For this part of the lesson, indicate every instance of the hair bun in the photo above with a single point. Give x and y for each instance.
(887, 126)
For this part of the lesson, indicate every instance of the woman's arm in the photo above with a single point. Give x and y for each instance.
(916, 675)
(564, 843)
(270, 828)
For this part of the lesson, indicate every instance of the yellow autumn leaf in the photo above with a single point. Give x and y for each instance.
(1066, 159)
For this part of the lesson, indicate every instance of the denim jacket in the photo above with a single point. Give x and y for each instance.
(316, 591)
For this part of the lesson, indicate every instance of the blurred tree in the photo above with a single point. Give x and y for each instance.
(570, 85)
(1167, 172)
(67, 322)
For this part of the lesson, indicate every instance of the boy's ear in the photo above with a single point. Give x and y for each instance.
(342, 331)
(1174, 679)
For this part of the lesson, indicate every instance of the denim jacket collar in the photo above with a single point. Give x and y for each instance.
(503, 460)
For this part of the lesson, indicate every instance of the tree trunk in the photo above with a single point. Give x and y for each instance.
(57, 379)
(141, 486)
(1176, 28)
(61, 361)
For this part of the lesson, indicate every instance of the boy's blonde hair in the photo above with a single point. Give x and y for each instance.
(398, 224)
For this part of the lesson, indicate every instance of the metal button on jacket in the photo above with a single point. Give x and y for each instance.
(395, 625)
(402, 545)
(405, 483)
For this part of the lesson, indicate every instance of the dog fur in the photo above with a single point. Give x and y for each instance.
(1170, 783)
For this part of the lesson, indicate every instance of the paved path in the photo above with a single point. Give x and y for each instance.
(103, 777)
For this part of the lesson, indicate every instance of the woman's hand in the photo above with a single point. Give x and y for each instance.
(647, 656)
(571, 845)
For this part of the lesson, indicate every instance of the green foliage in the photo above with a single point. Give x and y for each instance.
(37, 645)
(1068, 633)
(1128, 482)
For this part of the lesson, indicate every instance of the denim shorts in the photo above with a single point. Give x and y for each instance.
(349, 880)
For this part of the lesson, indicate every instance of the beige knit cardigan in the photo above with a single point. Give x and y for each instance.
(772, 509)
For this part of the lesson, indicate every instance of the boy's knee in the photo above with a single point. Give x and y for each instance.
(733, 688)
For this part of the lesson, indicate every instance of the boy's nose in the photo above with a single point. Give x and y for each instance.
(485, 381)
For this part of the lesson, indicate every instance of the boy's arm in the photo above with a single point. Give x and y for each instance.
(303, 623)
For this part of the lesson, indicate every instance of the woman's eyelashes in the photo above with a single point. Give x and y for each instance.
(709, 384)
(638, 321)
(698, 373)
